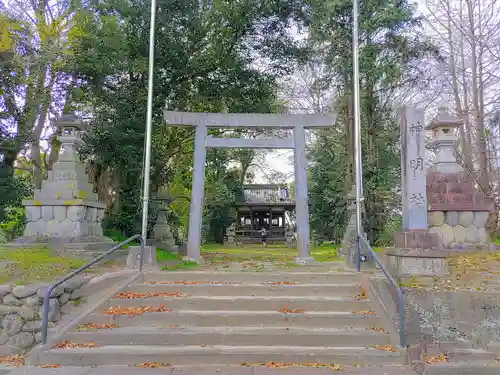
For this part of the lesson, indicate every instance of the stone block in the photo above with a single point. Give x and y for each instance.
(472, 234)
(435, 218)
(63, 298)
(7, 310)
(47, 213)
(12, 325)
(60, 213)
(33, 213)
(416, 239)
(33, 301)
(480, 219)
(35, 326)
(448, 236)
(100, 214)
(465, 218)
(21, 291)
(54, 310)
(52, 228)
(76, 213)
(5, 289)
(460, 234)
(65, 227)
(417, 263)
(91, 214)
(451, 218)
(11, 300)
(79, 229)
(23, 340)
(28, 313)
(439, 234)
(41, 291)
(97, 229)
(483, 236)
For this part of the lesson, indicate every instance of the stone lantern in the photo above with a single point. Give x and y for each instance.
(162, 233)
(444, 140)
(348, 249)
(70, 138)
(66, 211)
(457, 209)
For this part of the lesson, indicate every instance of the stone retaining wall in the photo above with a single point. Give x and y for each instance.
(444, 317)
(21, 309)
(460, 229)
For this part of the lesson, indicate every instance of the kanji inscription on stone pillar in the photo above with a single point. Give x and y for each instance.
(413, 170)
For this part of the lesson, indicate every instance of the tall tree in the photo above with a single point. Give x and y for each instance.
(390, 53)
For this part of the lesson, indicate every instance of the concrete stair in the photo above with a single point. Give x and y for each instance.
(219, 323)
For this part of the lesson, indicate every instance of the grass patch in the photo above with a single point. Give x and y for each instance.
(163, 256)
(180, 266)
(273, 253)
(34, 265)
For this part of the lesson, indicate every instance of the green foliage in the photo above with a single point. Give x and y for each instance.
(386, 236)
(390, 59)
(199, 66)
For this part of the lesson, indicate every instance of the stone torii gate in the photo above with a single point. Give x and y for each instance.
(297, 122)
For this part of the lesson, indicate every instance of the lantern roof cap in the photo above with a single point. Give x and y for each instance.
(70, 121)
(444, 118)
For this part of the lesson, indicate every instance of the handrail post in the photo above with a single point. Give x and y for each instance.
(141, 259)
(401, 304)
(358, 253)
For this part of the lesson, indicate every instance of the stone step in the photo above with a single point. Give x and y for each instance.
(463, 368)
(203, 355)
(211, 370)
(470, 355)
(256, 277)
(338, 290)
(213, 318)
(247, 336)
(248, 303)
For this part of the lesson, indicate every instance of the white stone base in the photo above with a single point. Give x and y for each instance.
(303, 261)
(191, 259)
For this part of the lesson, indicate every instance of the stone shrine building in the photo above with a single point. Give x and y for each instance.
(263, 206)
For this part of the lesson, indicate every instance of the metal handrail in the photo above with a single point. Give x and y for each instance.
(46, 300)
(399, 290)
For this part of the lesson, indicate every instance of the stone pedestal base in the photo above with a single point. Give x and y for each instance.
(417, 263)
(417, 239)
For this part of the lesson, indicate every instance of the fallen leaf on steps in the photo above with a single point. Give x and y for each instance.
(280, 283)
(436, 359)
(88, 326)
(386, 348)
(131, 295)
(132, 311)
(375, 329)
(365, 312)
(192, 282)
(286, 310)
(50, 366)
(331, 366)
(70, 345)
(152, 365)
(12, 360)
(362, 296)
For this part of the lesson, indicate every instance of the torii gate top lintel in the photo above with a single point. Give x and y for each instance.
(250, 120)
